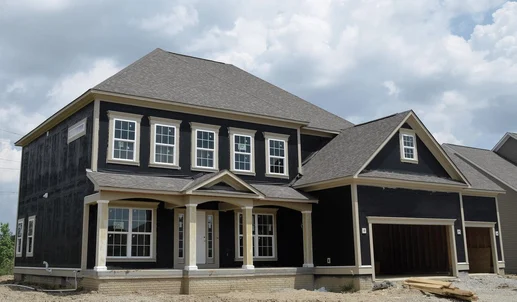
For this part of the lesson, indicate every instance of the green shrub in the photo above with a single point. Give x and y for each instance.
(6, 250)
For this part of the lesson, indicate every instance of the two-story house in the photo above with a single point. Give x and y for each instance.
(185, 175)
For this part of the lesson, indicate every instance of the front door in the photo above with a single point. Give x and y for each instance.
(201, 238)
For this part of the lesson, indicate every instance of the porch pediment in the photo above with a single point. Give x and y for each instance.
(222, 181)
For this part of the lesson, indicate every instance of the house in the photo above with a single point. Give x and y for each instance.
(499, 165)
(185, 175)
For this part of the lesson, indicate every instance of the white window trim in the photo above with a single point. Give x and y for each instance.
(152, 257)
(242, 132)
(30, 238)
(156, 121)
(403, 158)
(278, 137)
(19, 248)
(81, 123)
(195, 127)
(129, 117)
(263, 211)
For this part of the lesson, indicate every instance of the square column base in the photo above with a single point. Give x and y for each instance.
(190, 267)
(100, 268)
(248, 267)
(308, 265)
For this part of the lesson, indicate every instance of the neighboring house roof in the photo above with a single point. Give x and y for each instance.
(411, 177)
(503, 140)
(181, 185)
(490, 162)
(477, 180)
(350, 150)
(183, 79)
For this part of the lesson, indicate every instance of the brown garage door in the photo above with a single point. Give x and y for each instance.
(411, 250)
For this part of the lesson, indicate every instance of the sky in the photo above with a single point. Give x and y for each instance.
(454, 62)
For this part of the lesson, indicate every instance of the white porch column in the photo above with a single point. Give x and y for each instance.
(247, 244)
(102, 235)
(84, 246)
(190, 237)
(307, 239)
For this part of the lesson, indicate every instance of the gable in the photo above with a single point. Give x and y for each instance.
(223, 180)
(508, 150)
(389, 159)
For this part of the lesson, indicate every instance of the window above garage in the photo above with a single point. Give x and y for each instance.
(408, 146)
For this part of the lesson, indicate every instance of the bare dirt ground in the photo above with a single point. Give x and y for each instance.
(487, 287)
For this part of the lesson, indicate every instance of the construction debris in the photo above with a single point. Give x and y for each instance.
(440, 288)
(382, 285)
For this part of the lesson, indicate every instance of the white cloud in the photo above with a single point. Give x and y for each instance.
(72, 86)
(10, 158)
(173, 22)
(393, 89)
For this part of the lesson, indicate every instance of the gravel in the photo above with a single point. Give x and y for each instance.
(487, 287)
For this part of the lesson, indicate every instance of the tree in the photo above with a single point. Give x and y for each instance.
(6, 250)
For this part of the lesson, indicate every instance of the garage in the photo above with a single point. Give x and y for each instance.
(411, 250)
(479, 248)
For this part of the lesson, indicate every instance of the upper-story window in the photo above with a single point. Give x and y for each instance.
(408, 149)
(76, 131)
(205, 145)
(277, 155)
(124, 143)
(242, 151)
(164, 143)
(30, 236)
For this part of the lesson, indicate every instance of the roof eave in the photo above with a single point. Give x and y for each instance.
(56, 118)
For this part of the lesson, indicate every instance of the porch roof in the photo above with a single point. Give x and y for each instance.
(145, 183)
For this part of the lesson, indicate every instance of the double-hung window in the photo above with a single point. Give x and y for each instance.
(264, 235)
(131, 233)
(205, 140)
(242, 150)
(408, 147)
(276, 155)
(19, 237)
(31, 225)
(164, 142)
(124, 144)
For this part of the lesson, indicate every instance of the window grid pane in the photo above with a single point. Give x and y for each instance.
(210, 236)
(124, 140)
(129, 232)
(205, 148)
(164, 144)
(277, 156)
(263, 235)
(242, 152)
(180, 235)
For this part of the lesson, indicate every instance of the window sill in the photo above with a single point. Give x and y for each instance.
(201, 169)
(130, 259)
(243, 172)
(409, 161)
(164, 166)
(122, 162)
(258, 259)
(277, 176)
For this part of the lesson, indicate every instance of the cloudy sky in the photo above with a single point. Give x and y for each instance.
(452, 61)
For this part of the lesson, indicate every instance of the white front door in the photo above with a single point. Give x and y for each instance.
(201, 238)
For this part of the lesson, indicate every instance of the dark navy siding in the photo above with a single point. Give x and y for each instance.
(388, 159)
(332, 227)
(185, 143)
(478, 208)
(51, 165)
(312, 144)
(374, 201)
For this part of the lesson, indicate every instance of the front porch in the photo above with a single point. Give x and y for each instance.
(217, 229)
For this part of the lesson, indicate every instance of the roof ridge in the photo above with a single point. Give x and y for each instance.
(382, 118)
(463, 146)
(193, 57)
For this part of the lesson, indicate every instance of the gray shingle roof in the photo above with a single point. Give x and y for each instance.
(514, 135)
(410, 177)
(350, 150)
(140, 182)
(177, 78)
(281, 192)
(477, 180)
(490, 162)
(177, 185)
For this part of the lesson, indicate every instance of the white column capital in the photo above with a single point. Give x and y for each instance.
(247, 208)
(188, 205)
(306, 212)
(103, 201)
